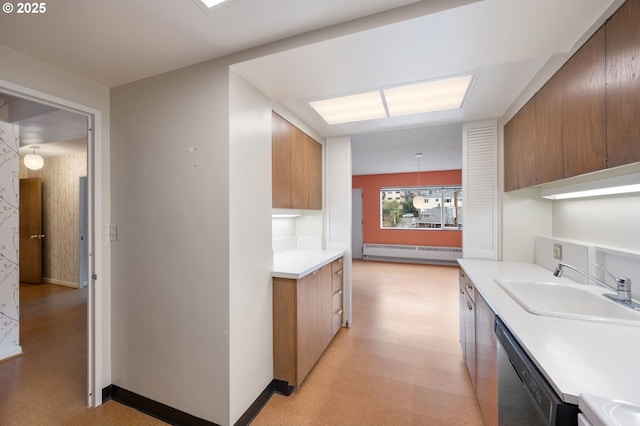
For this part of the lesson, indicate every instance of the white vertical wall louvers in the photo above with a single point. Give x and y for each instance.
(480, 189)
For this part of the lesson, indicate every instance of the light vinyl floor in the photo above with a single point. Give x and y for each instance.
(399, 364)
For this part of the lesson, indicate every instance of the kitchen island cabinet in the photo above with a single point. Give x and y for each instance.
(305, 319)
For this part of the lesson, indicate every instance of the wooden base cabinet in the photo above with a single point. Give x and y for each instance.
(305, 316)
(479, 348)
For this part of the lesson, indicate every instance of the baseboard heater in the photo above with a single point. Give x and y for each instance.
(408, 252)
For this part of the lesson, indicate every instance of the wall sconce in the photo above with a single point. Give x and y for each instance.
(33, 161)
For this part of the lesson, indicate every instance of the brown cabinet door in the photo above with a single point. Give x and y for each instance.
(299, 171)
(623, 85)
(548, 152)
(281, 162)
(315, 174)
(519, 148)
(584, 108)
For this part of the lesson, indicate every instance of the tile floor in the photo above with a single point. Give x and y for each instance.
(399, 364)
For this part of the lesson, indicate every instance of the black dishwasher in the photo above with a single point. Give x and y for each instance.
(525, 398)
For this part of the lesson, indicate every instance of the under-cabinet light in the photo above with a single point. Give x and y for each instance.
(284, 215)
(612, 186)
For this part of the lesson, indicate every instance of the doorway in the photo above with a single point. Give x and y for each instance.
(357, 223)
(65, 158)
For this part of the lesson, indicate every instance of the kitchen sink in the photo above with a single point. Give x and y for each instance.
(566, 300)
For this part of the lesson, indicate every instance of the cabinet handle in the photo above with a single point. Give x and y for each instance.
(339, 291)
(469, 306)
(469, 285)
(339, 272)
(339, 312)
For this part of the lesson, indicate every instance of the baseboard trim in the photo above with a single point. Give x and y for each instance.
(59, 282)
(153, 408)
(177, 417)
(276, 386)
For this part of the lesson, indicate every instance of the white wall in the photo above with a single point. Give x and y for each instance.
(171, 263)
(612, 220)
(250, 256)
(525, 215)
(27, 77)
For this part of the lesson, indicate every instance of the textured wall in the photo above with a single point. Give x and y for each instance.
(60, 185)
(9, 241)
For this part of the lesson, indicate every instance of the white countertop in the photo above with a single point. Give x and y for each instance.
(295, 264)
(576, 356)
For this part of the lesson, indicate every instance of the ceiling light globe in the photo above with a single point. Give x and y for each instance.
(33, 161)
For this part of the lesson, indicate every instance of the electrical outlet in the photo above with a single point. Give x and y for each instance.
(113, 232)
(557, 251)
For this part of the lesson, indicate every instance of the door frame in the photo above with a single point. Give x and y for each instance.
(96, 184)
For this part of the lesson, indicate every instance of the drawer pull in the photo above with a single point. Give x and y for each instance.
(339, 311)
(339, 272)
(338, 292)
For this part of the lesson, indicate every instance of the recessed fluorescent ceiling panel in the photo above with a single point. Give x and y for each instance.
(211, 3)
(417, 98)
(431, 96)
(364, 106)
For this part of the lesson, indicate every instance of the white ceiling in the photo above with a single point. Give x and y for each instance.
(354, 45)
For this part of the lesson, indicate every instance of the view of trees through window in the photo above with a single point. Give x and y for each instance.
(421, 208)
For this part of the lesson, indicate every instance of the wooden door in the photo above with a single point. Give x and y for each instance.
(31, 234)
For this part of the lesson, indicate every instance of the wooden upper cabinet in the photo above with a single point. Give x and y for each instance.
(296, 167)
(519, 148)
(299, 171)
(315, 174)
(623, 85)
(281, 150)
(584, 108)
(548, 151)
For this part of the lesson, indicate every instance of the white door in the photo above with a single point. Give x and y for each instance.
(356, 223)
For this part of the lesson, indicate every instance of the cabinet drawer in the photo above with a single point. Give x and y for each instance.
(336, 265)
(336, 281)
(336, 322)
(336, 301)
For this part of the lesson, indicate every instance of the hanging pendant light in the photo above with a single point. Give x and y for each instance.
(33, 161)
(419, 201)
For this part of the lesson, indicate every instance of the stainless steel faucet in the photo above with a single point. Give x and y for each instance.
(622, 289)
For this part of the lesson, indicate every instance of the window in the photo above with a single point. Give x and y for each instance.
(428, 207)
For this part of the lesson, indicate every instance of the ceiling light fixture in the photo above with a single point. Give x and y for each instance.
(212, 3)
(346, 109)
(430, 96)
(33, 161)
(419, 201)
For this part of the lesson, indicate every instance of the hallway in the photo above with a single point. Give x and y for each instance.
(47, 384)
(399, 364)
